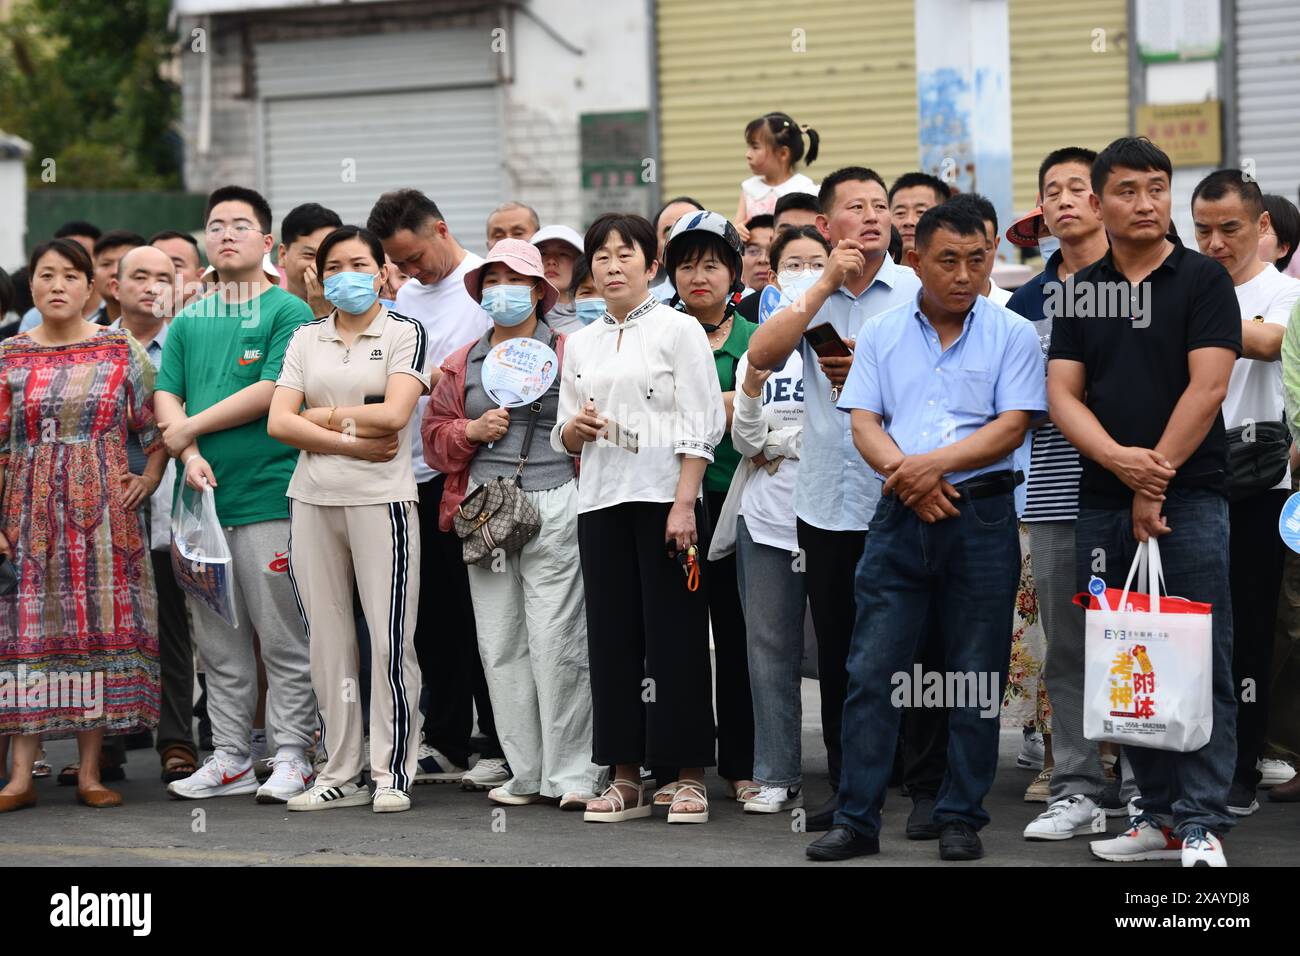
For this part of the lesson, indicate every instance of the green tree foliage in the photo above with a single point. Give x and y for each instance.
(82, 81)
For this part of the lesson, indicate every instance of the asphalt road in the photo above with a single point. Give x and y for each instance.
(449, 827)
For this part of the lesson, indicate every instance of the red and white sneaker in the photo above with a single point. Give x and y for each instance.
(291, 775)
(222, 775)
(1145, 839)
(1202, 848)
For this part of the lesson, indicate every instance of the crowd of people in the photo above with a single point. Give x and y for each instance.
(823, 404)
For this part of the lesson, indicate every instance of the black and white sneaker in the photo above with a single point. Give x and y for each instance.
(774, 800)
(1241, 800)
(321, 797)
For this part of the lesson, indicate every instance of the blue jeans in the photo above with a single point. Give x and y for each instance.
(968, 569)
(774, 595)
(1185, 789)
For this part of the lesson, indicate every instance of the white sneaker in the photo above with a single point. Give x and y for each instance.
(1144, 840)
(390, 800)
(1072, 816)
(1032, 752)
(434, 767)
(1275, 772)
(1202, 848)
(321, 797)
(291, 774)
(504, 797)
(774, 800)
(222, 775)
(487, 773)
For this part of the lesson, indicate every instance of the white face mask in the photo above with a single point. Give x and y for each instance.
(795, 284)
(1047, 246)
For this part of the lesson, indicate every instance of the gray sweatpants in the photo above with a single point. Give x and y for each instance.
(263, 603)
(1077, 760)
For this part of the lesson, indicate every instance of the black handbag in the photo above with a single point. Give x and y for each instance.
(1259, 462)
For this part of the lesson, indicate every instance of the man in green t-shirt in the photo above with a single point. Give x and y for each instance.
(220, 363)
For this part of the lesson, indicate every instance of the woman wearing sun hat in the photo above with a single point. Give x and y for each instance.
(528, 606)
(561, 248)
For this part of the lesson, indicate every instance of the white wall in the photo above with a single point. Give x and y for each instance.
(553, 85)
(13, 219)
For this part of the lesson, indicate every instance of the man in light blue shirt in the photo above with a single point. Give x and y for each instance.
(836, 494)
(941, 393)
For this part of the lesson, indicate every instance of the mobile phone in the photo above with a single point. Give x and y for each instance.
(826, 342)
(624, 438)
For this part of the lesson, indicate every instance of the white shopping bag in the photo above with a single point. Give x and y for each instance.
(1147, 663)
(200, 555)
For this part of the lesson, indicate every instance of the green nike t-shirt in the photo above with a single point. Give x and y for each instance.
(215, 349)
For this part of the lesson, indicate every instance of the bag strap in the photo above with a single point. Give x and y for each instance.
(533, 414)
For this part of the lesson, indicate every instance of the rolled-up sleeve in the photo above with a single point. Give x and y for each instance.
(701, 419)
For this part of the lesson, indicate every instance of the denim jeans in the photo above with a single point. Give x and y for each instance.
(1182, 789)
(968, 567)
(774, 595)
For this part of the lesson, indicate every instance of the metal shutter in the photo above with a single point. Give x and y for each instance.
(724, 63)
(1268, 92)
(419, 110)
(1063, 93)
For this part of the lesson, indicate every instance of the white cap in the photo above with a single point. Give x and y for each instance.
(563, 233)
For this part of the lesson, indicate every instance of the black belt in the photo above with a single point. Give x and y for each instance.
(990, 483)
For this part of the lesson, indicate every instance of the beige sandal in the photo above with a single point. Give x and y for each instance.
(622, 811)
(664, 795)
(689, 791)
(743, 794)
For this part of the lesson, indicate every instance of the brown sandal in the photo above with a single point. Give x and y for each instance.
(178, 762)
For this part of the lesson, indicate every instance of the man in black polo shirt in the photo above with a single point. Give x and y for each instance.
(1142, 348)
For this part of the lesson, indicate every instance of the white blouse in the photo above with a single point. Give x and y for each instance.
(653, 374)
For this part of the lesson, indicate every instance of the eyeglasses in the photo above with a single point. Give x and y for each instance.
(755, 252)
(240, 230)
(797, 266)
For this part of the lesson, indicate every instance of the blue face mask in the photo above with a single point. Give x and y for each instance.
(509, 305)
(589, 310)
(352, 292)
(1047, 246)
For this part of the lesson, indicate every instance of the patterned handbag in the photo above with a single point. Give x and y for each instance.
(498, 515)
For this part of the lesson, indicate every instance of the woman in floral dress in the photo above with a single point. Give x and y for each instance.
(79, 636)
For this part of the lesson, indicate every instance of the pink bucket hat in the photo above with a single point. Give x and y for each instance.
(524, 259)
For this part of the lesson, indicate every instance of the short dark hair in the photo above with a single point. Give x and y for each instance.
(7, 294)
(1066, 154)
(581, 273)
(693, 246)
(78, 227)
(805, 201)
(261, 208)
(845, 174)
(942, 191)
(1286, 225)
(1129, 152)
(672, 202)
(980, 206)
(348, 232)
(177, 234)
(1223, 181)
(787, 236)
(305, 219)
(763, 221)
(960, 218)
(635, 230)
(783, 131)
(401, 209)
(895, 243)
(116, 239)
(72, 251)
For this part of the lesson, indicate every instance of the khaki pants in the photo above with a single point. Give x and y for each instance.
(378, 546)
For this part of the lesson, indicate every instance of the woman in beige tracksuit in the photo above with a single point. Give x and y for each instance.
(359, 372)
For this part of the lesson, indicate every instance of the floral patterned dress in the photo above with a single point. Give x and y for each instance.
(1025, 703)
(79, 639)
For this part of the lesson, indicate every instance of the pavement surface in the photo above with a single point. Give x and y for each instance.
(450, 827)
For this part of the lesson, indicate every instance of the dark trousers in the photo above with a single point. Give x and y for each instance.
(968, 568)
(647, 640)
(1255, 556)
(831, 557)
(446, 641)
(924, 739)
(175, 659)
(735, 704)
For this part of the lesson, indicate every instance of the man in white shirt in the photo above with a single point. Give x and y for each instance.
(1228, 212)
(417, 240)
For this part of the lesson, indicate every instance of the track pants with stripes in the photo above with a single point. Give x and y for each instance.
(378, 547)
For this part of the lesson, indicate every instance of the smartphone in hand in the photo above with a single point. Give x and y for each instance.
(826, 342)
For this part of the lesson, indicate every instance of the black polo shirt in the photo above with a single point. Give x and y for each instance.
(1135, 375)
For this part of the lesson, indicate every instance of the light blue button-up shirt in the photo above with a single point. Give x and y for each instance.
(929, 397)
(836, 490)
